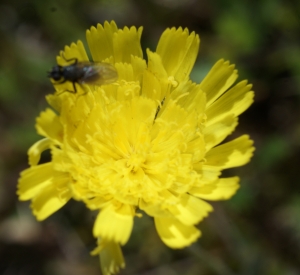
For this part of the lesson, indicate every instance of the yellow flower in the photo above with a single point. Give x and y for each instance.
(149, 141)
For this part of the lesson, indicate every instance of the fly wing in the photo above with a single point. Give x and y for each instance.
(98, 73)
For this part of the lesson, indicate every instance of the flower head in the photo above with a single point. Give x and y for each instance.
(148, 142)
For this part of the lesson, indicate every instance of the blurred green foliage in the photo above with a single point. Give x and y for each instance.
(257, 232)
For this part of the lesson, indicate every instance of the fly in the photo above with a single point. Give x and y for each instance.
(83, 72)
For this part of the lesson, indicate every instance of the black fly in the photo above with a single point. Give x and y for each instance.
(96, 73)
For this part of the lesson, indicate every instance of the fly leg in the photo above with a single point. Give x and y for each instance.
(74, 87)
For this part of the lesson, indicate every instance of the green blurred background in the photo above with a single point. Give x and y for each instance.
(257, 232)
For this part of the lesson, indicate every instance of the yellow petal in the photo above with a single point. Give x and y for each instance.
(221, 76)
(48, 201)
(139, 66)
(111, 257)
(54, 101)
(152, 88)
(190, 210)
(208, 173)
(49, 125)
(190, 97)
(37, 149)
(114, 224)
(218, 131)
(222, 189)
(127, 43)
(72, 54)
(174, 233)
(125, 72)
(235, 101)
(34, 179)
(157, 81)
(120, 44)
(178, 50)
(231, 154)
(156, 66)
(100, 41)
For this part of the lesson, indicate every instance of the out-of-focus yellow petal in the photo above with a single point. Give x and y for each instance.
(35, 151)
(222, 189)
(34, 179)
(111, 257)
(48, 201)
(231, 154)
(190, 210)
(174, 233)
(114, 224)
(49, 125)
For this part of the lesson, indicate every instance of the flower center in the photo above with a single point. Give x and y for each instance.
(135, 162)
